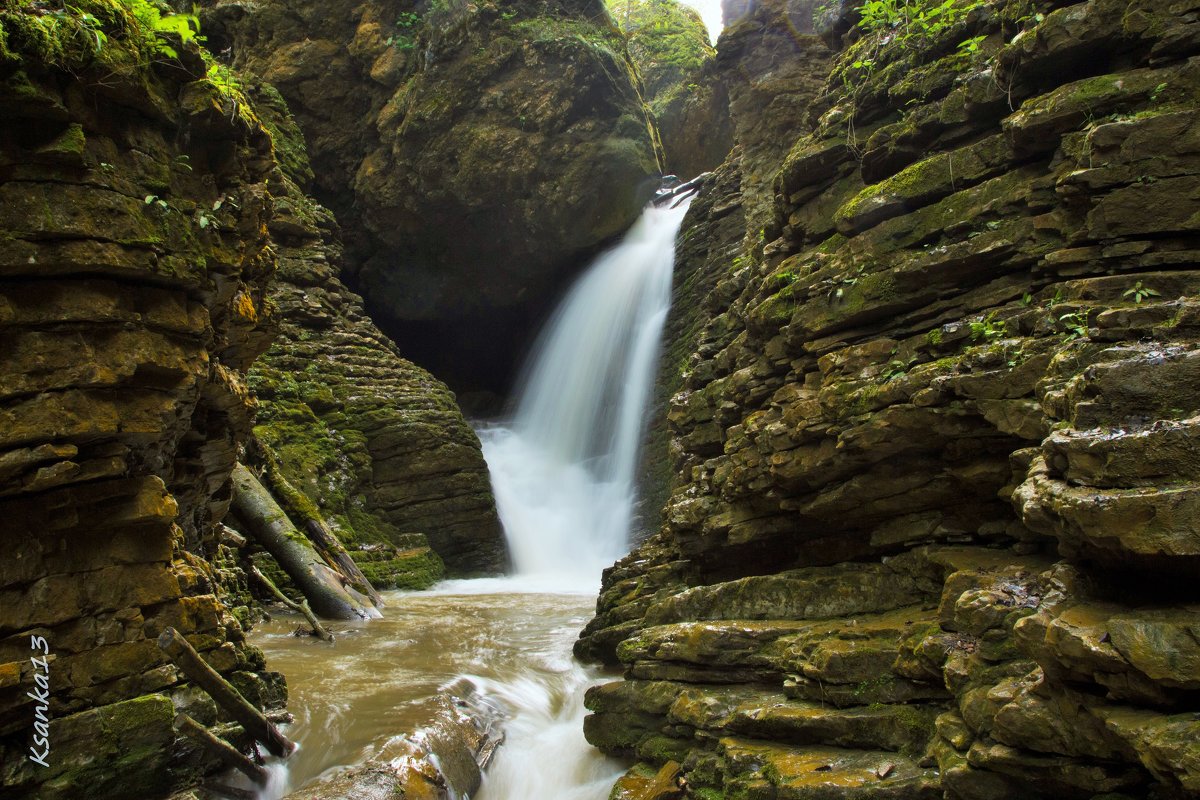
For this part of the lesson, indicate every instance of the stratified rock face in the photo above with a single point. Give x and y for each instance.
(376, 441)
(933, 532)
(477, 151)
(133, 264)
(766, 76)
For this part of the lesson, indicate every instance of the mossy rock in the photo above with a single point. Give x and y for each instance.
(388, 568)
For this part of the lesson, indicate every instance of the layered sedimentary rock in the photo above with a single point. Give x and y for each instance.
(766, 76)
(378, 443)
(133, 265)
(932, 532)
(476, 152)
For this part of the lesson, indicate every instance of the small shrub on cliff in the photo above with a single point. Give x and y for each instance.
(913, 22)
(907, 26)
(121, 34)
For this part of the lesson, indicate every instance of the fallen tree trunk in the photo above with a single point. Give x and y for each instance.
(304, 511)
(676, 195)
(223, 693)
(302, 607)
(219, 749)
(316, 580)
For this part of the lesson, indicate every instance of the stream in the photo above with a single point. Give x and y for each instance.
(563, 471)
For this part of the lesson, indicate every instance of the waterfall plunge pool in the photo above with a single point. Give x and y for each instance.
(512, 637)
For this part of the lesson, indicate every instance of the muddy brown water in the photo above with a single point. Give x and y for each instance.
(377, 681)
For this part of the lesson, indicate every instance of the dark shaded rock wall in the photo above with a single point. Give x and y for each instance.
(933, 533)
(376, 441)
(129, 311)
(475, 153)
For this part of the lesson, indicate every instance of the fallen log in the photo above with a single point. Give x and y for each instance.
(320, 584)
(679, 193)
(301, 509)
(302, 607)
(223, 693)
(219, 749)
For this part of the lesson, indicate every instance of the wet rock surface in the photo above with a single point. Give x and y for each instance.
(375, 441)
(476, 153)
(134, 262)
(930, 530)
(441, 760)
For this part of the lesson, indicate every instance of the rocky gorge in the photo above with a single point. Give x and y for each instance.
(918, 488)
(925, 535)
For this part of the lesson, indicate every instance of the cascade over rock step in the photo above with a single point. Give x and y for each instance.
(766, 770)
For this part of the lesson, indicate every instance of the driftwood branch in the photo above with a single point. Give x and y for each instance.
(327, 542)
(219, 749)
(301, 607)
(226, 696)
(316, 580)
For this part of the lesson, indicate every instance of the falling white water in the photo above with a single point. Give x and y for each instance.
(563, 470)
(563, 476)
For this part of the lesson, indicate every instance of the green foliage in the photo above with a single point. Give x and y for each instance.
(159, 21)
(406, 27)
(1075, 326)
(971, 45)
(122, 34)
(907, 26)
(913, 23)
(228, 87)
(988, 329)
(897, 368)
(1138, 293)
(668, 41)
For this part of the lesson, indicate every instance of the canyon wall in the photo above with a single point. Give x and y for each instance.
(129, 312)
(476, 155)
(155, 238)
(932, 527)
(376, 442)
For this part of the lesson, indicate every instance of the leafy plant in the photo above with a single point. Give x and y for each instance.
(1075, 324)
(406, 25)
(988, 329)
(1139, 293)
(155, 200)
(913, 22)
(897, 369)
(158, 21)
(971, 45)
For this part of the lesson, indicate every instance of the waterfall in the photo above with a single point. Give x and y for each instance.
(563, 471)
